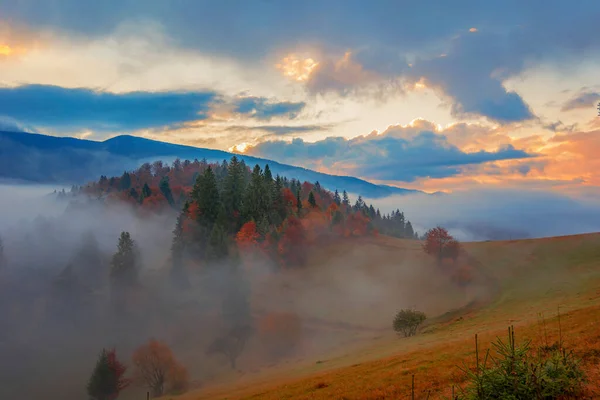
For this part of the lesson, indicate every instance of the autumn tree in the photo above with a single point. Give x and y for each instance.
(123, 269)
(108, 377)
(156, 368)
(440, 244)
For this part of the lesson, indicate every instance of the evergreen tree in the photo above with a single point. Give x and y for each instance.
(233, 193)
(178, 275)
(125, 181)
(298, 202)
(311, 200)
(123, 270)
(256, 202)
(89, 261)
(218, 244)
(134, 194)
(107, 379)
(208, 199)
(336, 198)
(146, 192)
(165, 188)
(408, 231)
(345, 199)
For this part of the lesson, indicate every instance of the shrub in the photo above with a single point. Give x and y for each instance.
(408, 321)
(517, 372)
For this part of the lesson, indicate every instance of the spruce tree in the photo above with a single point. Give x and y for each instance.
(208, 199)
(256, 201)
(233, 193)
(107, 379)
(345, 199)
(123, 270)
(408, 230)
(178, 275)
(125, 181)
(165, 189)
(336, 198)
(89, 261)
(298, 202)
(311, 200)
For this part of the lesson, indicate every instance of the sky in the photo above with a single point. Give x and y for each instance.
(431, 95)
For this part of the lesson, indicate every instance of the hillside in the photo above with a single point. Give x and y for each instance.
(65, 160)
(525, 279)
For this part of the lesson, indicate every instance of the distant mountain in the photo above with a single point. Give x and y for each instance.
(65, 160)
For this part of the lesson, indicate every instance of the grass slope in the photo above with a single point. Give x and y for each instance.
(532, 280)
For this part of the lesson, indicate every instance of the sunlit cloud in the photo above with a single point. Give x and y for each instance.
(239, 148)
(473, 30)
(296, 68)
(5, 50)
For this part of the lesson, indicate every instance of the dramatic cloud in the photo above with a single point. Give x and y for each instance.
(466, 55)
(261, 109)
(54, 107)
(399, 153)
(280, 130)
(582, 100)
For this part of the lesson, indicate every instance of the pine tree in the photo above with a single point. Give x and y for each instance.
(311, 200)
(178, 276)
(89, 261)
(125, 181)
(408, 230)
(298, 202)
(208, 199)
(218, 244)
(165, 188)
(146, 192)
(345, 199)
(123, 270)
(256, 202)
(233, 193)
(107, 380)
(336, 198)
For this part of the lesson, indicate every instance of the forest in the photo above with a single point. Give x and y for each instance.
(174, 252)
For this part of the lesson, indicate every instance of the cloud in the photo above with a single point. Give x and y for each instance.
(582, 100)
(481, 214)
(73, 109)
(262, 109)
(382, 39)
(399, 153)
(67, 109)
(280, 130)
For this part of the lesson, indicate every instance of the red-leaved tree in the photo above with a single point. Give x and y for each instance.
(440, 244)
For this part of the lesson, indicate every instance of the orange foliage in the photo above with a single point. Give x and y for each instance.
(289, 198)
(247, 236)
(291, 247)
(156, 368)
(440, 244)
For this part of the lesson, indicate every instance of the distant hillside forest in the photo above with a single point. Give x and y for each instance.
(221, 203)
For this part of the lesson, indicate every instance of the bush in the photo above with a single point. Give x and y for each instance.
(520, 373)
(408, 321)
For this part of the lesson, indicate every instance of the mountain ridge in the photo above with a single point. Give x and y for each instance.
(68, 160)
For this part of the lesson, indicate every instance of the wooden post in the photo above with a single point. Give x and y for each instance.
(413, 388)
(147, 395)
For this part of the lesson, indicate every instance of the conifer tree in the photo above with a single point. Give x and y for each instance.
(408, 231)
(345, 199)
(298, 202)
(89, 261)
(146, 192)
(123, 270)
(336, 198)
(311, 200)
(178, 276)
(233, 193)
(208, 199)
(165, 189)
(256, 202)
(107, 380)
(125, 181)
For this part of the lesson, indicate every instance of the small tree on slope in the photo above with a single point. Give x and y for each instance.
(107, 380)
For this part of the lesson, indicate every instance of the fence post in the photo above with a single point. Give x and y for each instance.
(412, 396)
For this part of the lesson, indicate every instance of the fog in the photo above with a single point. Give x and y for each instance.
(347, 294)
(500, 214)
(52, 338)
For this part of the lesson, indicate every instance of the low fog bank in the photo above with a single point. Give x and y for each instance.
(501, 214)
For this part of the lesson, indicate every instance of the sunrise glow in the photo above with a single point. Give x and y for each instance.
(5, 50)
(298, 69)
